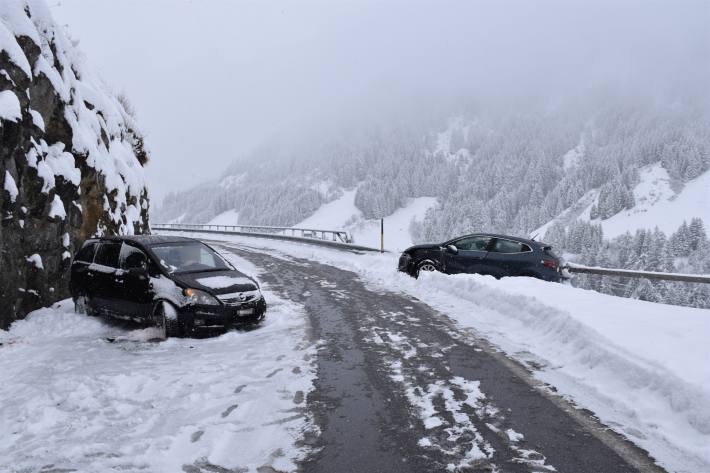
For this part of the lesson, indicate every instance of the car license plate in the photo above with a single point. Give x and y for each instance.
(243, 312)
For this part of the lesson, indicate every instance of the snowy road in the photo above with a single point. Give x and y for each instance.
(401, 389)
(342, 377)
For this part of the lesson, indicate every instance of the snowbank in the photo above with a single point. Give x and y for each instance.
(640, 366)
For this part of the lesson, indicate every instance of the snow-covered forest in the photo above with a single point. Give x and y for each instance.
(495, 168)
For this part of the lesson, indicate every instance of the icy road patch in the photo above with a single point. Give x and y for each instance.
(80, 394)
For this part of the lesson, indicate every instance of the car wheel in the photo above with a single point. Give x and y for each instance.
(83, 306)
(427, 266)
(166, 320)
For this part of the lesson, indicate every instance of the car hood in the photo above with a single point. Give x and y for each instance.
(218, 282)
(428, 246)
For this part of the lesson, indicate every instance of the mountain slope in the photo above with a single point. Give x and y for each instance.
(614, 160)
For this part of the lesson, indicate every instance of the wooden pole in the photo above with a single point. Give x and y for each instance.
(382, 235)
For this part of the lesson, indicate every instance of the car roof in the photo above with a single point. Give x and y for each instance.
(507, 237)
(147, 240)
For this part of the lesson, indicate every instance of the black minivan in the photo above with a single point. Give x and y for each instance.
(484, 253)
(178, 284)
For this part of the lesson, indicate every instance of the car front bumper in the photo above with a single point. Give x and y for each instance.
(405, 263)
(212, 317)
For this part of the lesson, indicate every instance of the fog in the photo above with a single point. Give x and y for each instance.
(212, 80)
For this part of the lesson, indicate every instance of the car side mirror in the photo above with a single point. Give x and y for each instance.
(140, 272)
(136, 264)
(452, 249)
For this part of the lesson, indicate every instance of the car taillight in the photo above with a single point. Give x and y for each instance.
(550, 263)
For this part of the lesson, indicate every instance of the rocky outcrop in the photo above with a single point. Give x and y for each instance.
(71, 159)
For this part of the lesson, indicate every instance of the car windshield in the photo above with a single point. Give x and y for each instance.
(193, 256)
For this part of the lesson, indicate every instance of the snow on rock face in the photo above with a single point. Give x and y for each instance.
(9, 106)
(66, 139)
(57, 210)
(35, 260)
(10, 186)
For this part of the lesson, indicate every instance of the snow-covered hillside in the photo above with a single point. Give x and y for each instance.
(229, 217)
(71, 158)
(660, 202)
(658, 205)
(343, 214)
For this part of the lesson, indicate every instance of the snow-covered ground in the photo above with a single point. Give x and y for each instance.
(641, 367)
(82, 395)
(342, 214)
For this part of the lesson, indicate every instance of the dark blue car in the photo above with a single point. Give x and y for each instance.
(483, 253)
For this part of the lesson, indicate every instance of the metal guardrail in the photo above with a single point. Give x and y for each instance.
(328, 235)
(332, 238)
(628, 273)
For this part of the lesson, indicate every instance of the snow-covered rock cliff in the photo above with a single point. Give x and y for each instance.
(71, 159)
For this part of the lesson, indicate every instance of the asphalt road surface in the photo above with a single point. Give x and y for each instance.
(401, 388)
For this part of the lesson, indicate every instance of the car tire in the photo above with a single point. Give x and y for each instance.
(425, 265)
(83, 306)
(165, 317)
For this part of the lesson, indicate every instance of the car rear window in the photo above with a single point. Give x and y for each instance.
(108, 254)
(86, 254)
(548, 251)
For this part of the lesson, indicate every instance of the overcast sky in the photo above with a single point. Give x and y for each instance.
(212, 79)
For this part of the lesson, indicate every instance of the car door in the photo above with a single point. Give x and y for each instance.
(135, 296)
(81, 273)
(508, 257)
(106, 292)
(470, 255)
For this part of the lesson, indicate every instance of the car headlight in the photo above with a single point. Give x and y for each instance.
(195, 296)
